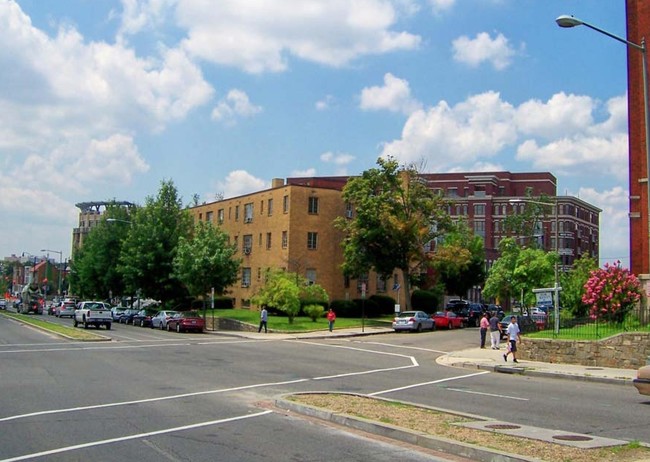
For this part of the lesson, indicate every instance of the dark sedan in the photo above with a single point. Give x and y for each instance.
(186, 321)
(143, 317)
(127, 316)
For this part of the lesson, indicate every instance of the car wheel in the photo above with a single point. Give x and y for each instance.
(161, 326)
(178, 328)
(76, 323)
(108, 326)
(449, 326)
(419, 328)
(85, 325)
(141, 322)
(169, 327)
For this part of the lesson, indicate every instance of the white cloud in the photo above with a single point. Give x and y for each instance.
(325, 103)
(440, 6)
(394, 95)
(483, 48)
(339, 159)
(560, 135)
(304, 173)
(235, 104)
(240, 182)
(329, 32)
(615, 230)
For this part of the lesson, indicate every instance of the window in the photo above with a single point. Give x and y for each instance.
(245, 277)
(452, 192)
(285, 239)
(259, 273)
(496, 226)
(479, 191)
(349, 212)
(262, 207)
(220, 216)
(479, 209)
(236, 213)
(310, 274)
(362, 283)
(312, 240)
(200, 217)
(479, 228)
(247, 244)
(268, 241)
(208, 216)
(465, 209)
(248, 212)
(313, 206)
(285, 204)
(381, 283)
(269, 207)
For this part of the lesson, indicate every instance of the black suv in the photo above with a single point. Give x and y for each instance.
(472, 312)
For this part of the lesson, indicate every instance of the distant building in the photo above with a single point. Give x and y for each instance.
(90, 213)
(290, 226)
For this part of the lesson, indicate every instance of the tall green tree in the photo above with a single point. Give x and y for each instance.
(94, 265)
(147, 256)
(397, 215)
(527, 224)
(459, 260)
(519, 271)
(573, 285)
(206, 260)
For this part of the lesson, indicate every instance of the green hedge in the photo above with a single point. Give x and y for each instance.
(425, 300)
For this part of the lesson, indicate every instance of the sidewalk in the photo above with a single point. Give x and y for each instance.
(473, 358)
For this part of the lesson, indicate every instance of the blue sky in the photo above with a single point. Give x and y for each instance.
(104, 99)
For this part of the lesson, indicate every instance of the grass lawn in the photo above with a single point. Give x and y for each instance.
(71, 332)
(300, 324)
(589, 331)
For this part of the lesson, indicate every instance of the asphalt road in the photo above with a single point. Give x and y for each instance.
(153, 395)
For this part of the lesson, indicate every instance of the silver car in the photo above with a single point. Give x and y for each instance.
(160, 319)
(413, 321)
(65, 308)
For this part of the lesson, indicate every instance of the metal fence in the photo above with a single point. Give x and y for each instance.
(589, 328)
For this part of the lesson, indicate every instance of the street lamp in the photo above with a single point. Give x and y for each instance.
(60, 264)
(556, 286)
(118, 220)
(570, 21)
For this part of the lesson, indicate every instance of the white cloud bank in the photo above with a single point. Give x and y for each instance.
(473, 52)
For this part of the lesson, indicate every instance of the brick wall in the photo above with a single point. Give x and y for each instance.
(626, 351)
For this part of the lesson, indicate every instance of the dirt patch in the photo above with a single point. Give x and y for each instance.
(442, 424)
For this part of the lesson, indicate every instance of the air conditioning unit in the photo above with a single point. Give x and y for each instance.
(348, 213)
(247, 250)
(248, 220)
(245, 284)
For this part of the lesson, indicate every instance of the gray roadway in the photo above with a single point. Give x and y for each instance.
(152, 395)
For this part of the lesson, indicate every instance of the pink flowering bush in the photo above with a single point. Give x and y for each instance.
(611, 292)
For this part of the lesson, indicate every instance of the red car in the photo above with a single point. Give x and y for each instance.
(184, 321)
(448, 320)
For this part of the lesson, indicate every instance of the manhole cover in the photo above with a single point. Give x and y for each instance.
(503, 427)
(572, 438)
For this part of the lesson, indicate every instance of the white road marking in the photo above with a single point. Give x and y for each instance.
(488, 394)
(423, 384)
(405, 347)
(148, 400)
(132, 437)
(371, 371)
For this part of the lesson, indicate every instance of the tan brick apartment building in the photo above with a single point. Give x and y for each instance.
(290, 226)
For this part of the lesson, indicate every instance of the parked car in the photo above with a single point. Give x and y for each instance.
(143, 317)
(642, 381)
(541, 319)
(159, 320)
(186, 321)
(447, 320)
(127, 316)
(526, 324)
(413, 321)
(117, 312)
(65, 308)
(472, 312)
(3, 304)
(91, 313)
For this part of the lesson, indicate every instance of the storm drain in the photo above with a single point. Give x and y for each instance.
(543, 434)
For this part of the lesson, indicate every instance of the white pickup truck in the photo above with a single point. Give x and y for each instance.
(93, 313)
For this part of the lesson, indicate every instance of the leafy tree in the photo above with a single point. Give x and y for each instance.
(396, 216)
(611, 292)
(205, 261)
(527, 223)
(147, 256)
(459, 260)
(285, 290)
(519, 270)
(573, 283)
(94, 266)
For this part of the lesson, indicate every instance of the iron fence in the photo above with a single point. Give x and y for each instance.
(591, 328)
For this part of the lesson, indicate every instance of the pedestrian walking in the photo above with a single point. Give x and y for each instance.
(264, 316)
(495, 331)
(331, 317)
(513, 337)
(483, 326)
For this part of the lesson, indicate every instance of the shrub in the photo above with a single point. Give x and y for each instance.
(313, 311)
(343, 308)
(385, 304)
(223, 303)
(425, 300)
(366, 307)
(611, 292)
(324, 304)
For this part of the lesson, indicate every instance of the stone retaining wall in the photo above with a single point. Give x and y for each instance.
(229, 324)
(627, 351)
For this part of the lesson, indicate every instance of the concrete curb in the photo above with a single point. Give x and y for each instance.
(444, 445)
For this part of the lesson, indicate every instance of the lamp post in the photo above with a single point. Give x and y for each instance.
(570, 21)
(118, 220)
(60, 264)
(556, 285)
